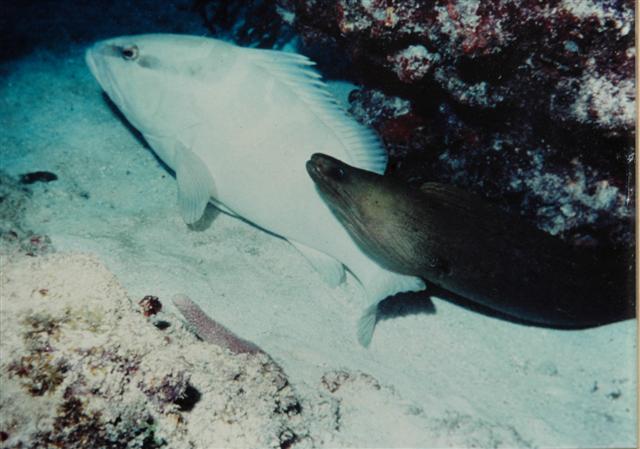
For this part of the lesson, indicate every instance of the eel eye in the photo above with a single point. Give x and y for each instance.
(129, 53)
(336, 173)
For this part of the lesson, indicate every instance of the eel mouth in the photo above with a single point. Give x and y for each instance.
(331, 177)
(328, 174)
(339, 185)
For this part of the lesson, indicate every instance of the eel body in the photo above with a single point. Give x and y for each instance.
(463, 244)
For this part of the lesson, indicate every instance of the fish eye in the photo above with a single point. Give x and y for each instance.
(337, 173)
(129, 53)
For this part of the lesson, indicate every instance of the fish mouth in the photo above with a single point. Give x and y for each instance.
(96, 59)
(314, 170)
(332, 179)
(330, 176)
(90, 60)
(321, 169)
(327, 167)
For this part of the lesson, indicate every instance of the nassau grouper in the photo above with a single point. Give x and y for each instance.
(237, 126)
(463, 244)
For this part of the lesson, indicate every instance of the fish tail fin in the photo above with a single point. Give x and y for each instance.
(378, 286)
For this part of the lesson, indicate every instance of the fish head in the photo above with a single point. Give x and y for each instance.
(376, 211)
(352, 194)
(153, 78)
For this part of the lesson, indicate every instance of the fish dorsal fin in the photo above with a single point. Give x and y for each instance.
(297, 72)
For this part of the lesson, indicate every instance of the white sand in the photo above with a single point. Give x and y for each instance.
(453, 378)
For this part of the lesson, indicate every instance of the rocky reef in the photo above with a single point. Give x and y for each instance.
(82, 368)
(529, 104)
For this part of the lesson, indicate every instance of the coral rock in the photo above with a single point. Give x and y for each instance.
(530, 104)
(91, 371)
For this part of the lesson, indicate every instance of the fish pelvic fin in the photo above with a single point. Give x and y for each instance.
(331, 270)
(378, 287)
(366, 325)
(195, 184)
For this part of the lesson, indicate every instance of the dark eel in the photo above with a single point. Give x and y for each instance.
(461, 243)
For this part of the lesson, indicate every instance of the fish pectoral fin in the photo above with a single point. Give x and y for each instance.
(331, 270)
(195, 184)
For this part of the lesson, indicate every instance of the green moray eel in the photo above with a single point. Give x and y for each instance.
(463, 244)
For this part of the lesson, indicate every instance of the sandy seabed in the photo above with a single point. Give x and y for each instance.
(432, 378)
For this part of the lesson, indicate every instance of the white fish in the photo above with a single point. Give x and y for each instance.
(237, 126)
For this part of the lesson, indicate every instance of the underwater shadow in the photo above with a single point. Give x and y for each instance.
(133, 130)
(415, 303)
(406, 303)
(211, 212)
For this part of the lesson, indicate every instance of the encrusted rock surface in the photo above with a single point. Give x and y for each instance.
(253, 22)
(530, 104)
(81, 367)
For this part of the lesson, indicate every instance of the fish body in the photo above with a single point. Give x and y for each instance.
(237, 126)
(458, 241)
